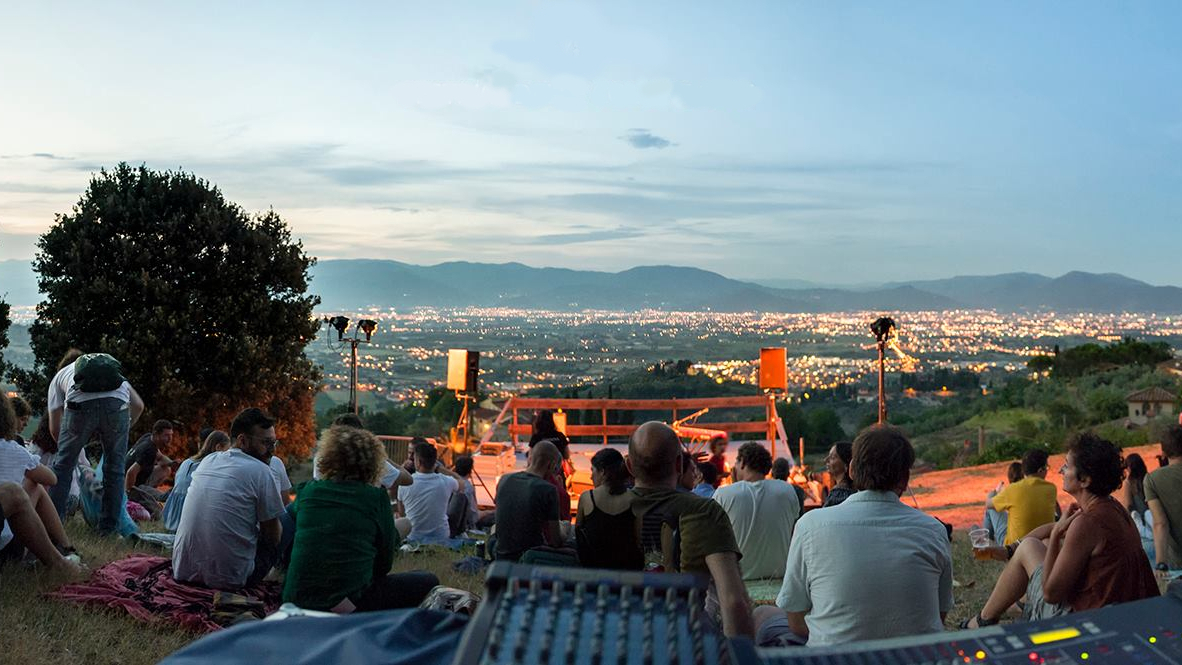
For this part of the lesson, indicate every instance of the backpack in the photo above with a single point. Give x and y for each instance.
(97, 373)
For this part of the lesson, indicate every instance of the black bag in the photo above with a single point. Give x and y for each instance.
(97, 373)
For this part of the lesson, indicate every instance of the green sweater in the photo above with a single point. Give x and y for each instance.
(344, 539)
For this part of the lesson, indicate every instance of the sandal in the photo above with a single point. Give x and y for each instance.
(981, 622)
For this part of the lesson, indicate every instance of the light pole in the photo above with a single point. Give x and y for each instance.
(882, 328)
(341, 324)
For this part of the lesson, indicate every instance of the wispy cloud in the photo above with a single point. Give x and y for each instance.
(643, 139)
(37, 155)
(618, 233)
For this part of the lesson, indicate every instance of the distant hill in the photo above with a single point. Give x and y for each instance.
(18, 283)
(1074, 291)
(350, 284)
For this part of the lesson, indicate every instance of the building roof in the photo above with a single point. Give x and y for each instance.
(1151, 395)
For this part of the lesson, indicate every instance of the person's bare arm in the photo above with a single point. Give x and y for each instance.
(55, 423)
(440, 467)
(270, 531)
(552, 533)
(42, 475)
(732, 594)
(133, 472)
(1068, 551)
(1161, 531)
(1041, 532)
(404, 479)
(135, 404)
(797, 624)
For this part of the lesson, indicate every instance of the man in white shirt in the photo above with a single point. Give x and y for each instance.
(870, 568)
(74, 417)
(229, 531)
(762, 512)
(425, 501)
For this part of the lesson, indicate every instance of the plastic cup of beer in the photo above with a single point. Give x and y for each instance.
(980, 539)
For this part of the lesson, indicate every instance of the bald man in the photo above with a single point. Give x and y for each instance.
(707, 540)
(527, 506)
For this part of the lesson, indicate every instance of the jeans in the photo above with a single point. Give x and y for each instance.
(109, 419)
(396, 590)
(998, 524)
(287, 540)
(265, 558)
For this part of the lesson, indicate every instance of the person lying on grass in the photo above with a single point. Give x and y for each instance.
(344, 518)
(1089, 558)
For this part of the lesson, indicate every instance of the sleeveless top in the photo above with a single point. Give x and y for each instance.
(608, 541)
(1120, 572)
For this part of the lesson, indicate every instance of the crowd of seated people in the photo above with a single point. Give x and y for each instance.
(656, 507)
(1091, 557)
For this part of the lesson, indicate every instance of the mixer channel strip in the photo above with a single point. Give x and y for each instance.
(551, 616)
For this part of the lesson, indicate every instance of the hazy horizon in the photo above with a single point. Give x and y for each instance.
(840, 144)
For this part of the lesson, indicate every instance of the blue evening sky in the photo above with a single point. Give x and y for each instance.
(832, 141)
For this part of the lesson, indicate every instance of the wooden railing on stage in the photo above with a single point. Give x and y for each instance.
(676, 407)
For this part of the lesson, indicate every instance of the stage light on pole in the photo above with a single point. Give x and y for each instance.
(368, 326)
(340, 324)
(882, 328)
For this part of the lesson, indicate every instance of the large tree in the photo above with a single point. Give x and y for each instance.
(203, 304)
(5, 322)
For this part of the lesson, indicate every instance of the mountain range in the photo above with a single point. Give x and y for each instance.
(350, 284)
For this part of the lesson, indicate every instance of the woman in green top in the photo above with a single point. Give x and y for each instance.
(345, 537)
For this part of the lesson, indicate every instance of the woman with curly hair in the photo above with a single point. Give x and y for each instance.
(345, 537)
(1089, 558)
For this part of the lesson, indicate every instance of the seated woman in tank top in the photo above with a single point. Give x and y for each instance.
(605, 529)
(1089, 558)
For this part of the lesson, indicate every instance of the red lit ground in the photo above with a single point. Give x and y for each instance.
(957, 496)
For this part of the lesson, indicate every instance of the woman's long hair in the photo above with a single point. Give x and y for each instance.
(610, 463)
(1135, 466)
(211, 444)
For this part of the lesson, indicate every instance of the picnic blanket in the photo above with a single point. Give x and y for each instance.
(143, 585)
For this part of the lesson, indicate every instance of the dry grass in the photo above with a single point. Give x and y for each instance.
(35, 629)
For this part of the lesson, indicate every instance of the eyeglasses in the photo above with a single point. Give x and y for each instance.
(269, 443)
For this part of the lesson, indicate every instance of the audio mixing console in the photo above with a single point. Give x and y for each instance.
(573, 616)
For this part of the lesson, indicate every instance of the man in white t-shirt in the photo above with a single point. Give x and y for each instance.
(282, 481)
(75, 416)
(871, 568)
(425, 501)
(763, 512)
(229, 531)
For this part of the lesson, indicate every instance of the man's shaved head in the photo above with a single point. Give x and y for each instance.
(544, 457)
(653, 453)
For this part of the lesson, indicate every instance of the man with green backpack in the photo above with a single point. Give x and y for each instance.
(89, 397)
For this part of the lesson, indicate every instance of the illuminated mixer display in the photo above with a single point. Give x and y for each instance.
(576, 616)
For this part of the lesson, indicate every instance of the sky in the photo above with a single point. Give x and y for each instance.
(836, 142)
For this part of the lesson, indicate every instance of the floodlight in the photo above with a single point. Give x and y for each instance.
(367, 326)
(882, 328)
(339, 323)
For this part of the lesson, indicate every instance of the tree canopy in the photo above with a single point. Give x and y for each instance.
(204, 304)
(1078, 360)
(5, 322)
